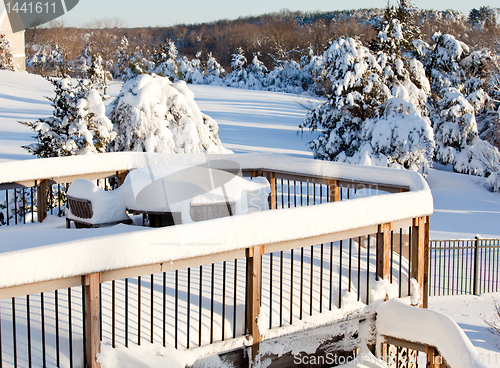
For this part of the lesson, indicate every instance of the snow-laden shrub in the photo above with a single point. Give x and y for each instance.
(256, 74)
(191, 70)
(238, 77)
(152, 114)
(375, 109)
(6, 62)
(78, 126)
(287, 77)
(401, 135)
(213, 71)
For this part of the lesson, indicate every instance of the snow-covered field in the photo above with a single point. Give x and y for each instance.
(256, 121)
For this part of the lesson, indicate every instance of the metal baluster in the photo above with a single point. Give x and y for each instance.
(152, 306)
(291, 285)
(113, 324)
(126, 312)
(321, 277)
(28, 320)
(188, 307)
(235, 296)
(70, 329)
(164, 312)
(56, 301)
(311, 286)
(139, 310)
(200, 306)
(176, 308)
(14, 341)
(44, 347)
(223, 298)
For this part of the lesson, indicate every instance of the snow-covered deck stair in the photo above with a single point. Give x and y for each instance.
(239, 248)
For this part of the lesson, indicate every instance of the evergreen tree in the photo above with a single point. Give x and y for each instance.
(375, 111)
(78, 124)
(5, 54)
(165, 61)
(238, 76)
(213, 70)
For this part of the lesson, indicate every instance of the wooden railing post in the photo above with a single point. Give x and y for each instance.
(384, 250)
(334, 190)
(41, 199)
(271, 177)
(120, 176)
(426, 264)
(254, 277)
(418, 250)
(92, 319)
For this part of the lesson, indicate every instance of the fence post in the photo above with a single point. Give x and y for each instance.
(41, 199)
(120, 176)
(92, 319)
(271, 177)
(384, 250)
(334, 190)
(254, 277)
(476, 266)
(418, 261)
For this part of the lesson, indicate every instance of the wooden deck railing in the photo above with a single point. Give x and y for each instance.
(285, 280)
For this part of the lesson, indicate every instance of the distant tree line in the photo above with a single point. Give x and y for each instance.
(274, 37)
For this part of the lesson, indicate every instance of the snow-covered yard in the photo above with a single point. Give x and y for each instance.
(257, 121)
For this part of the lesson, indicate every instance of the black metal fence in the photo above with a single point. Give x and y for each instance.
(459, 267)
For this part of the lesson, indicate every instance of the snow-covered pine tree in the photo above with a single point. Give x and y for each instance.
(190, 69)
(213, 71)
(137, 64)
(375, 113)
(152, 114)
(78, 124)
(461, 108)
(121, 58)
(238, 76)
(256, 74)
(311, 68)
(165, 60)
(5, 54)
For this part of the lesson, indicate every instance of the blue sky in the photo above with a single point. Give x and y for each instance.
(167, 12)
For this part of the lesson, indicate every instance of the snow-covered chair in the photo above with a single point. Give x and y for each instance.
(90, 206)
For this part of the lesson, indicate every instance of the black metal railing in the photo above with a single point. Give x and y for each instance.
(197, 306)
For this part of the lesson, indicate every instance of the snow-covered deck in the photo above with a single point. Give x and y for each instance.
(45, 257)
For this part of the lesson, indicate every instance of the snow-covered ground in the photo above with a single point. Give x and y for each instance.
(255, 121)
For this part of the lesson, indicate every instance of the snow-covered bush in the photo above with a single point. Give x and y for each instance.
(166, 63)
(190, 70)
(213, 71)
(152, 114)
(78, 124)
(398, 134)
(238, 76)
(374, 113)
(256, 74)
(287, 77)
(5, 54)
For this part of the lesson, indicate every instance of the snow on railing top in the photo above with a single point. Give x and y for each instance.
(427, 327)
(39, 169)
(70, 253)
